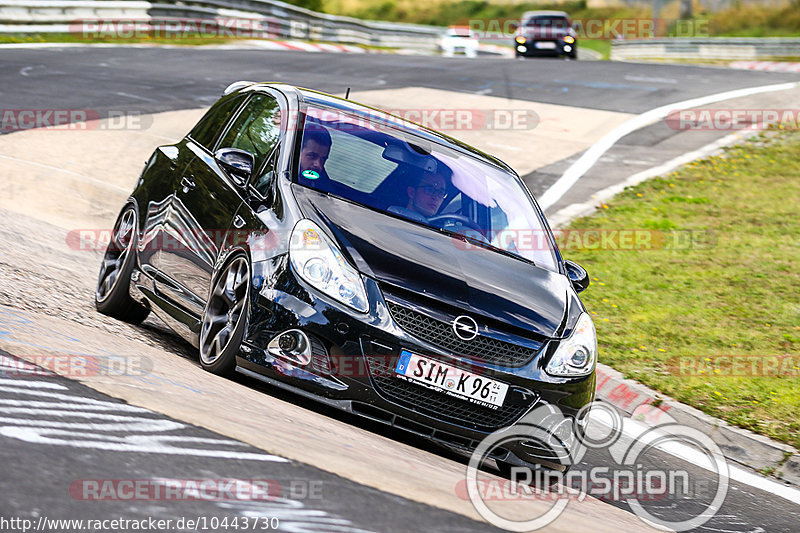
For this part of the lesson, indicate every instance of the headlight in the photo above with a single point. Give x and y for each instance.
(577, 354)
(569, 39)
(320, 263)
(520, 39)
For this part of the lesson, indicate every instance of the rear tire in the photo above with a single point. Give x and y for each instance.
(112, 296)
(225, 317)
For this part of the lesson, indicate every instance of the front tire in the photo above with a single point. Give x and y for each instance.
(112, 296)
(225, 317)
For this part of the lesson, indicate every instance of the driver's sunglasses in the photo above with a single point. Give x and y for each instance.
(434, 191)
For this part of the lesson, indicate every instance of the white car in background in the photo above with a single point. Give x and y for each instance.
(459, 40)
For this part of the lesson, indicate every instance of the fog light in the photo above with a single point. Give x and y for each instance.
(287, 342)
(522, 48)
(567, 48)
(293, 345)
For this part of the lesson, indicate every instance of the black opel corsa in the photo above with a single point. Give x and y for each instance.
(344, 254)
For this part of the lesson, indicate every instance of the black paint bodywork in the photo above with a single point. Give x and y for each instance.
(187, 206)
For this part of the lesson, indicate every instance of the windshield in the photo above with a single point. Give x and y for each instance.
(556, 22)
(398, 173)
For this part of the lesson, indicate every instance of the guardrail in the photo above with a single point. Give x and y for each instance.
(278, 19)
(707, 48)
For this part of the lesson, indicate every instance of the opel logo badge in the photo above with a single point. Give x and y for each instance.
(465, 328)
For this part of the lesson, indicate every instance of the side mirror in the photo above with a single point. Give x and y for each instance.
(577, 275)
(238, 163)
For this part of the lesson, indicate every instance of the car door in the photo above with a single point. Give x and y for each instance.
(207, 200)
(162, 176)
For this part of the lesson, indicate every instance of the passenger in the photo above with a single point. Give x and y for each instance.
(424, 198)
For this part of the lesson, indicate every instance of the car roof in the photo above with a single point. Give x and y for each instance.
(318, 98)
(531, 14)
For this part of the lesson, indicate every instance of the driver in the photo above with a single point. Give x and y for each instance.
(314, 152)
(425, 197)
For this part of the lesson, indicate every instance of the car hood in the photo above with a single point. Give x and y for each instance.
(429, 263)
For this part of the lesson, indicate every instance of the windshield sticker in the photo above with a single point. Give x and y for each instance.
(310, 174)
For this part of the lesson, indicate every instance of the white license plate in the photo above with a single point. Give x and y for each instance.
(451, 380)
(545, 44)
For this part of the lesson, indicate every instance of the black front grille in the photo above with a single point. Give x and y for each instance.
(437, 404)
(481, 348)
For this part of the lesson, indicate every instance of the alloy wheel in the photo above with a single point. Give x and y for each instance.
(116, 254)
(225, 310)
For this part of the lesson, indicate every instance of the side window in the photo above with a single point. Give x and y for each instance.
(256, 129)
(208, 129)
(263, 181)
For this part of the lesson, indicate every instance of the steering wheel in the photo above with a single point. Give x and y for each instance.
(439, 220)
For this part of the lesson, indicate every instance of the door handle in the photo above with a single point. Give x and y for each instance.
(238, 222)
(187, 183)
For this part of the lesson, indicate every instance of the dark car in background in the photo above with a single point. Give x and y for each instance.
(347, 255)
(546, 33)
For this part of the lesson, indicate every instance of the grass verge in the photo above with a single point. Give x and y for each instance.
(724, 283)
(598, 45)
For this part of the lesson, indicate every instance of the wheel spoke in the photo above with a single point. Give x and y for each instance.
(215, 320)
(116, 255)
(221, 338)
(236, 310)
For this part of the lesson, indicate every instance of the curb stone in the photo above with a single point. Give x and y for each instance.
(738, 445)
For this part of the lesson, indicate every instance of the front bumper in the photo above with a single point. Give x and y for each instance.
(560, 48)
(356, 371)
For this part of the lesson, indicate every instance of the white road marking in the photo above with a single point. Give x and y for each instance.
(135, 97)
(591, 156)
(580, 209)
(634, 430)
(143, 434)
(650, 79)
(29, 384)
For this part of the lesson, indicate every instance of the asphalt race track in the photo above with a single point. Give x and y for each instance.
(340, 474)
